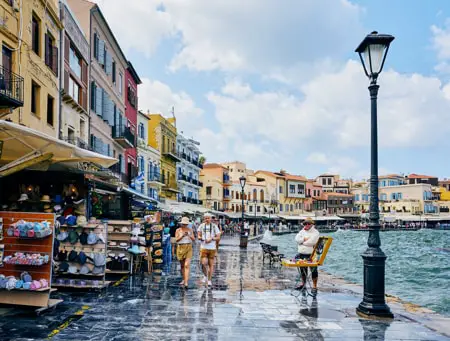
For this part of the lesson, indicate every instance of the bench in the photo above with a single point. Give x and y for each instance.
(271, 252)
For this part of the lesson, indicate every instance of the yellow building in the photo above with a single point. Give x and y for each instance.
(162, 135)
(30, 33)
(215, 193)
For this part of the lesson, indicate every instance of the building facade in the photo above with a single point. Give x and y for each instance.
(162, 136)
(74, 127)
(30, 34)
(313, 191)
(132, 81)
(109, 133)
(188, 170)
(339, 203)
(148, 161)
(216, 181)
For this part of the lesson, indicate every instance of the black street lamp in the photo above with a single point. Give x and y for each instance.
(243, 242)
(372, 52)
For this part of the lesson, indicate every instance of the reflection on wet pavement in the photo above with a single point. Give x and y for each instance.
(248, 301)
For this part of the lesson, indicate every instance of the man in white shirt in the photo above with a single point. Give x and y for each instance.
(306, 240)
(208, 234)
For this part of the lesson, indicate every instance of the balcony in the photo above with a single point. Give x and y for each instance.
(172, 154)
(124, 136)
(226, 180)
(154, 178)
(226, 197)
(11, 89)
(76, 141)
(116, 169)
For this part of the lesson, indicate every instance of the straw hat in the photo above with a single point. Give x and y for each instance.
(45, 198)
(185, 221)
(308, 220)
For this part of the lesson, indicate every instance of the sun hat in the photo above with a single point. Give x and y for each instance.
(47, 206)
(92, 238)
(45, 198)
(185, 221)
(73, 237)
(23, 197)
(81, 220)
(308, 220)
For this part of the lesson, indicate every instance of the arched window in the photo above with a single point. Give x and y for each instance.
(261, 195)
(255, 195)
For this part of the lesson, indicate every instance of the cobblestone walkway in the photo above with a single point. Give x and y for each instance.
(249, 301)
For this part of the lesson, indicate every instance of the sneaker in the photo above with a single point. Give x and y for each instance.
(209, 283)
(205, 279)
(314, 292)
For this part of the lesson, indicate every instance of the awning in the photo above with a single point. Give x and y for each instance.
(22, 147)
(137, 194)
(333, 217)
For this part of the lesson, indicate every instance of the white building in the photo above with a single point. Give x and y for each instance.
(188, 170)
(148, 161)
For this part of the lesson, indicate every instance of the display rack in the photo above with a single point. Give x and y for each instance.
(157, 249)
(117, 236)
(39, 298)
(64, 279)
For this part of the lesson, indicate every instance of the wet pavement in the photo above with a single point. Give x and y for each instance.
(248, 301)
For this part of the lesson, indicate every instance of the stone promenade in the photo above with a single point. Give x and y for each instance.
(248, 301)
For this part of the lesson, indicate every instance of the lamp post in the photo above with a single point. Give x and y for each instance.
(372, 52)
(243, 239)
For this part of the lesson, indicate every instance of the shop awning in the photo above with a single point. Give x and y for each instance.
(137, 194)
(22, 147)
(333, 217)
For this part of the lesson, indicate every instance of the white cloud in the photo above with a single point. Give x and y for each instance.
(318, 158)
(157, 97)
(441, 40)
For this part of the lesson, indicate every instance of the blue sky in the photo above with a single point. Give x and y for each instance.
(277, 84)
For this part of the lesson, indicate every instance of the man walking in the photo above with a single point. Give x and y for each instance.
(306, 240)
(208, 234)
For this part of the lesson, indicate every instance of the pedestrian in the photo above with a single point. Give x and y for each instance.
(184, 238)
(306, 240)
(173, 229)
(208, 233)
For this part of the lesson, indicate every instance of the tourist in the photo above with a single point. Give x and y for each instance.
(184, 238)
(306, 240)
(173, 230)
(208, 233)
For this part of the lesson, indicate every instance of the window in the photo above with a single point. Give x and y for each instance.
(292, 208)
(93, 95)
(300, 189)
(292, 189)
(208, 190)
(281, 189)
(35, 33)
(281, 207)
(258, 208)
(114, 71)
(50, 109)
(75, 62)
(51, 53)
(74, 90)
(141, 131)
(35, 98)
(71, 135)
(286, 207)
(120, 83)
(329, 181)
(324, 182)
(250, 209)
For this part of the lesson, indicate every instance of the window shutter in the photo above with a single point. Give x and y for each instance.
(66, 82)
(101, 52)
(67, 49)
(54, 58)
(108, 59)
(84, 72)
(105, 105)
(47, 52)
(84, 99)
(99, 101)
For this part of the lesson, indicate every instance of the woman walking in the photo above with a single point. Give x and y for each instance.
(184, 238)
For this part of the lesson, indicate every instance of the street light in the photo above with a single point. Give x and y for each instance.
(242, 181)
(372, 52)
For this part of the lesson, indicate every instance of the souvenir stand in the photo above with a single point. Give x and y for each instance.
(119, 241)
(26, 259)
(81, 260)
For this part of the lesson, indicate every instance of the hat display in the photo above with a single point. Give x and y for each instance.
(73, 256)
(99, 259)
(83, 238)
(45, 198)
(62, 236)
(135, 249)
(23, 197)
(98, 270)
(81, 220)
(72, 269)
(63, 267)
(185, 221)
(92, 238)
(71, 220)
(85, 270)
(73, 237)
(82, 257)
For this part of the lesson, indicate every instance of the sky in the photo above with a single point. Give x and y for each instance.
(277, 84)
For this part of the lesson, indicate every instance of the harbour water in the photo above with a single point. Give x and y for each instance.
(417, 268)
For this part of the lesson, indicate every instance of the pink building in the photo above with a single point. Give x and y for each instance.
(313, 190)
(132, 81)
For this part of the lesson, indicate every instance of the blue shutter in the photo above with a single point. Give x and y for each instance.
(101, 52)
(99, 101)
(108, 65)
